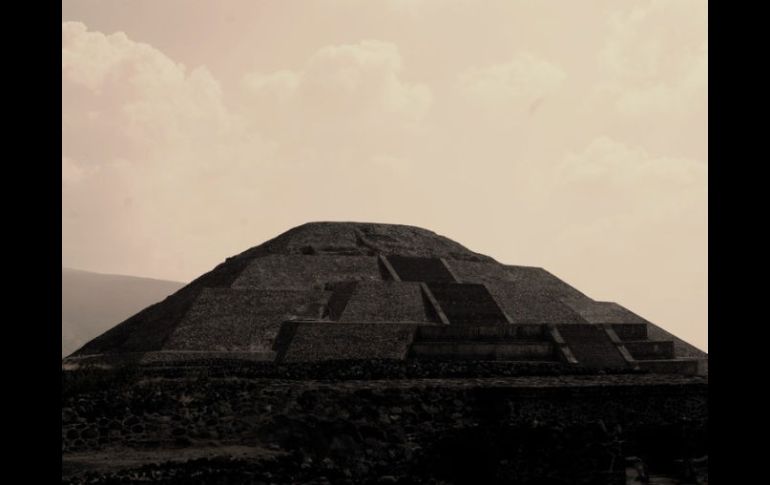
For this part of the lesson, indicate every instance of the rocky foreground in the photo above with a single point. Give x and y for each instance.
(243, 426)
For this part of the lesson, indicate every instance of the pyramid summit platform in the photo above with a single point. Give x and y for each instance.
(328, 291)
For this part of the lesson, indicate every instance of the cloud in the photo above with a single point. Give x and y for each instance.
(524, 80)
(682, 95)
(360, 79)
(655, 59)
(613, 164)
(611, 181)
(351, 95)
(134, 94)
(145, 109)
(154, 141)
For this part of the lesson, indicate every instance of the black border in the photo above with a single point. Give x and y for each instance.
(32, 332)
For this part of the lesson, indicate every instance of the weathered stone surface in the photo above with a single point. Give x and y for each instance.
(314, 342)
(350, 279)
(225, 319)
(387, 301)
(525, 304)
(293, 271)
(457, 430)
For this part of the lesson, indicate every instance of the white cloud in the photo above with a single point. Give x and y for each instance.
(279, 85)
(524, 79)
(615, 164)
(363, 80)
(349, 95)
(681, 95)
(153, 141)
(151, 98)
(627, 184)
(655, 59)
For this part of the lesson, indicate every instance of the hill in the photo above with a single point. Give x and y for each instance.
(95, 302)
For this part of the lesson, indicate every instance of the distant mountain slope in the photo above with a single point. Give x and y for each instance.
(94, 302)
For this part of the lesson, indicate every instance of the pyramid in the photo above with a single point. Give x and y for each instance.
(332, 290)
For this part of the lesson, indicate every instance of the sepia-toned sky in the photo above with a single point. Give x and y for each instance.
(554, 133)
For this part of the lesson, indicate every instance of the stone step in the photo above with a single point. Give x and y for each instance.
(650, 349)
(591, 346)
(331, 250)
(474, 350)
(672, 366)
(341, 294)
(481, 332)
(630, 331)
(424, 270)
(467, 304)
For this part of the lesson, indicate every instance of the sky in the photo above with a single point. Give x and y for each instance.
(567, 135)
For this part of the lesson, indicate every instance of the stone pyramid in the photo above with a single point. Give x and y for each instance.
(333, 290)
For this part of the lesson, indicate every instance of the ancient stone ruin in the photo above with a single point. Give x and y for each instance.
(327, 291)
(377, 353)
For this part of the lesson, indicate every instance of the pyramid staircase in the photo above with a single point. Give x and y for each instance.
(596, 346)
(467, 304)
(454, 302)
(592, 346)
(526, 343)
(653, 355)
(423, 270)
(476, 328)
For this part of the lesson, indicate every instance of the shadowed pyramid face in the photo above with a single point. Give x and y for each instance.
(358, 291)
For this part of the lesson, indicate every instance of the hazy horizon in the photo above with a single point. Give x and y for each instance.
(92, 303)
(571, 136)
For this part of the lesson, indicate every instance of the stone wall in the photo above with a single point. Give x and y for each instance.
(547, 429)
(531, 304)
(294, 271)
(225, 319)
(387, 301)
(325, 341)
